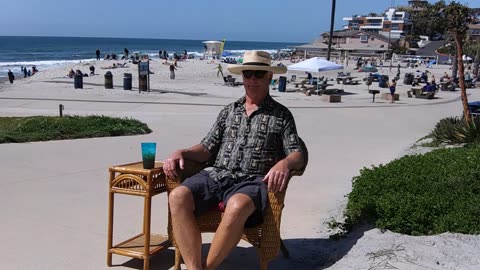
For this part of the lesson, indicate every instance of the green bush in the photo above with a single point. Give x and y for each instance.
(421, 194)
(454, 130)
(44, 128)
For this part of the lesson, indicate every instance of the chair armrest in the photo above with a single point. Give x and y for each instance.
(297, 172)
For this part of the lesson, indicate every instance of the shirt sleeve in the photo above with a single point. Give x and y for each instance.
(213, 139)
(291, 141)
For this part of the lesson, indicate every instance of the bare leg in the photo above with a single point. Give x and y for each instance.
(185, 228)
(229, 232)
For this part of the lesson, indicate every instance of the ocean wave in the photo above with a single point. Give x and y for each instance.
(40, 65)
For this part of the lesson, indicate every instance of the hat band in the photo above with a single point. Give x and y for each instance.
(256, 64)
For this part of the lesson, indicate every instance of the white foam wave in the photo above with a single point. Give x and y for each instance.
(243, 51)
(42, 63)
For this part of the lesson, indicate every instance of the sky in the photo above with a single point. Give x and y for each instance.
(245, 20)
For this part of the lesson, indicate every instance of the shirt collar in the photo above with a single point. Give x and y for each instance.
(267, 103)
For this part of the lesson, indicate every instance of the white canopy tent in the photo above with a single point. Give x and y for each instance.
(315, 64)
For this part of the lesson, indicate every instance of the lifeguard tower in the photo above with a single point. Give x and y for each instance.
(213, 49)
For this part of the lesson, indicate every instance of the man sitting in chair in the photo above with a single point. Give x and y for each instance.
(255, 145)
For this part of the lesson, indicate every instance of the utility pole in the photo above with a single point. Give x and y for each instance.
(332, 22)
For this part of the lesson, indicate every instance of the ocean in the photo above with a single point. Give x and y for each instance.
(48, 52)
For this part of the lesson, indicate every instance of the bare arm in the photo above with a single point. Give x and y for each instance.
(196, 153)
(278, 175)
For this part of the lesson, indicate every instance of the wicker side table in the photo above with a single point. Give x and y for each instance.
(133, 179)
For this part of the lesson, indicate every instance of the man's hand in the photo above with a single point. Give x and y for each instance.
(277, 177)
(171, 163)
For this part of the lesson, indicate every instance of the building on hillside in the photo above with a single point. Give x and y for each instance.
(347, 43)
(417, 5)
(392, 24)
(474, 31)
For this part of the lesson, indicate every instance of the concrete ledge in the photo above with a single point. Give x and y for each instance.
(388, 96)
(331, 98)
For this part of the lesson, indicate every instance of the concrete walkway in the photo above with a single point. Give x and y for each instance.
(54, 194)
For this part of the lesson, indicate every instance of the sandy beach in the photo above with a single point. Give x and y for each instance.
(54, 194)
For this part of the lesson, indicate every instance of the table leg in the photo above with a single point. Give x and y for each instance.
(110, 227)
(146, 229)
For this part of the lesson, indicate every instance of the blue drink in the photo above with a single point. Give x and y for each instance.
(148, 154)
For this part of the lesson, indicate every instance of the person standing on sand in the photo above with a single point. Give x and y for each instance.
(393, 87)
(11, 77)
(172, 71)
(126, 53)
(97, 52)
(219, 70)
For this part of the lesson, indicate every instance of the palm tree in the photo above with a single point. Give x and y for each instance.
(332, 22)
(457, 18)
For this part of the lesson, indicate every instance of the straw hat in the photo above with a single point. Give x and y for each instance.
(256, 60)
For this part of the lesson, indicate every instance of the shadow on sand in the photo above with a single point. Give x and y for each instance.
(305, 254)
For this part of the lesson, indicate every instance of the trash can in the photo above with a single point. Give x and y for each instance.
(78, 81)
(127, 81)
(408, 79)
(108, 80)
(282, 83)
(142, 83)
(383, 81)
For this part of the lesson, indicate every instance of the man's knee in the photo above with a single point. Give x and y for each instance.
(240, 206)
(181, 198)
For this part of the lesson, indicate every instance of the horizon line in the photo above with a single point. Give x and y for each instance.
(55, 36)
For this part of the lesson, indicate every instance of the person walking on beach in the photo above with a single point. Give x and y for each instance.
(160, 54)
(255, 146)
(25, 72)
(11, 77)
(172, 71)
(97, 52)
(393, 87)
(126, 53)
(219, 70)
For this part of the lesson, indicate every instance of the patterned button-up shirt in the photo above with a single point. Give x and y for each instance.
(250, 146)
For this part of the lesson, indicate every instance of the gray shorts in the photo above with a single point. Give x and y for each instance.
(207, 193)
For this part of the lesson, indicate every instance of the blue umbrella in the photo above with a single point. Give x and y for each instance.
(225, 54)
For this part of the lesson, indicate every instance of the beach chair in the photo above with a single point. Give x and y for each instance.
(265, 237)
(293, 79)
(230, 81)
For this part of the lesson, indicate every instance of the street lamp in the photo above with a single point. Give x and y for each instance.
(332, 22)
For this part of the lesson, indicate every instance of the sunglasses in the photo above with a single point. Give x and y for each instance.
(259, 74)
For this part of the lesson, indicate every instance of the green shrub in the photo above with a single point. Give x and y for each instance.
(454, 130)
(44, 128)
(421, 194)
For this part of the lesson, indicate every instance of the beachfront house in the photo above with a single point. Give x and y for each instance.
(346, 43)
(392, 23)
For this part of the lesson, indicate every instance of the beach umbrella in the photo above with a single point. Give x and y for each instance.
(315, 64)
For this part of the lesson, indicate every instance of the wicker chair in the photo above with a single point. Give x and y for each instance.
(265, 237)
